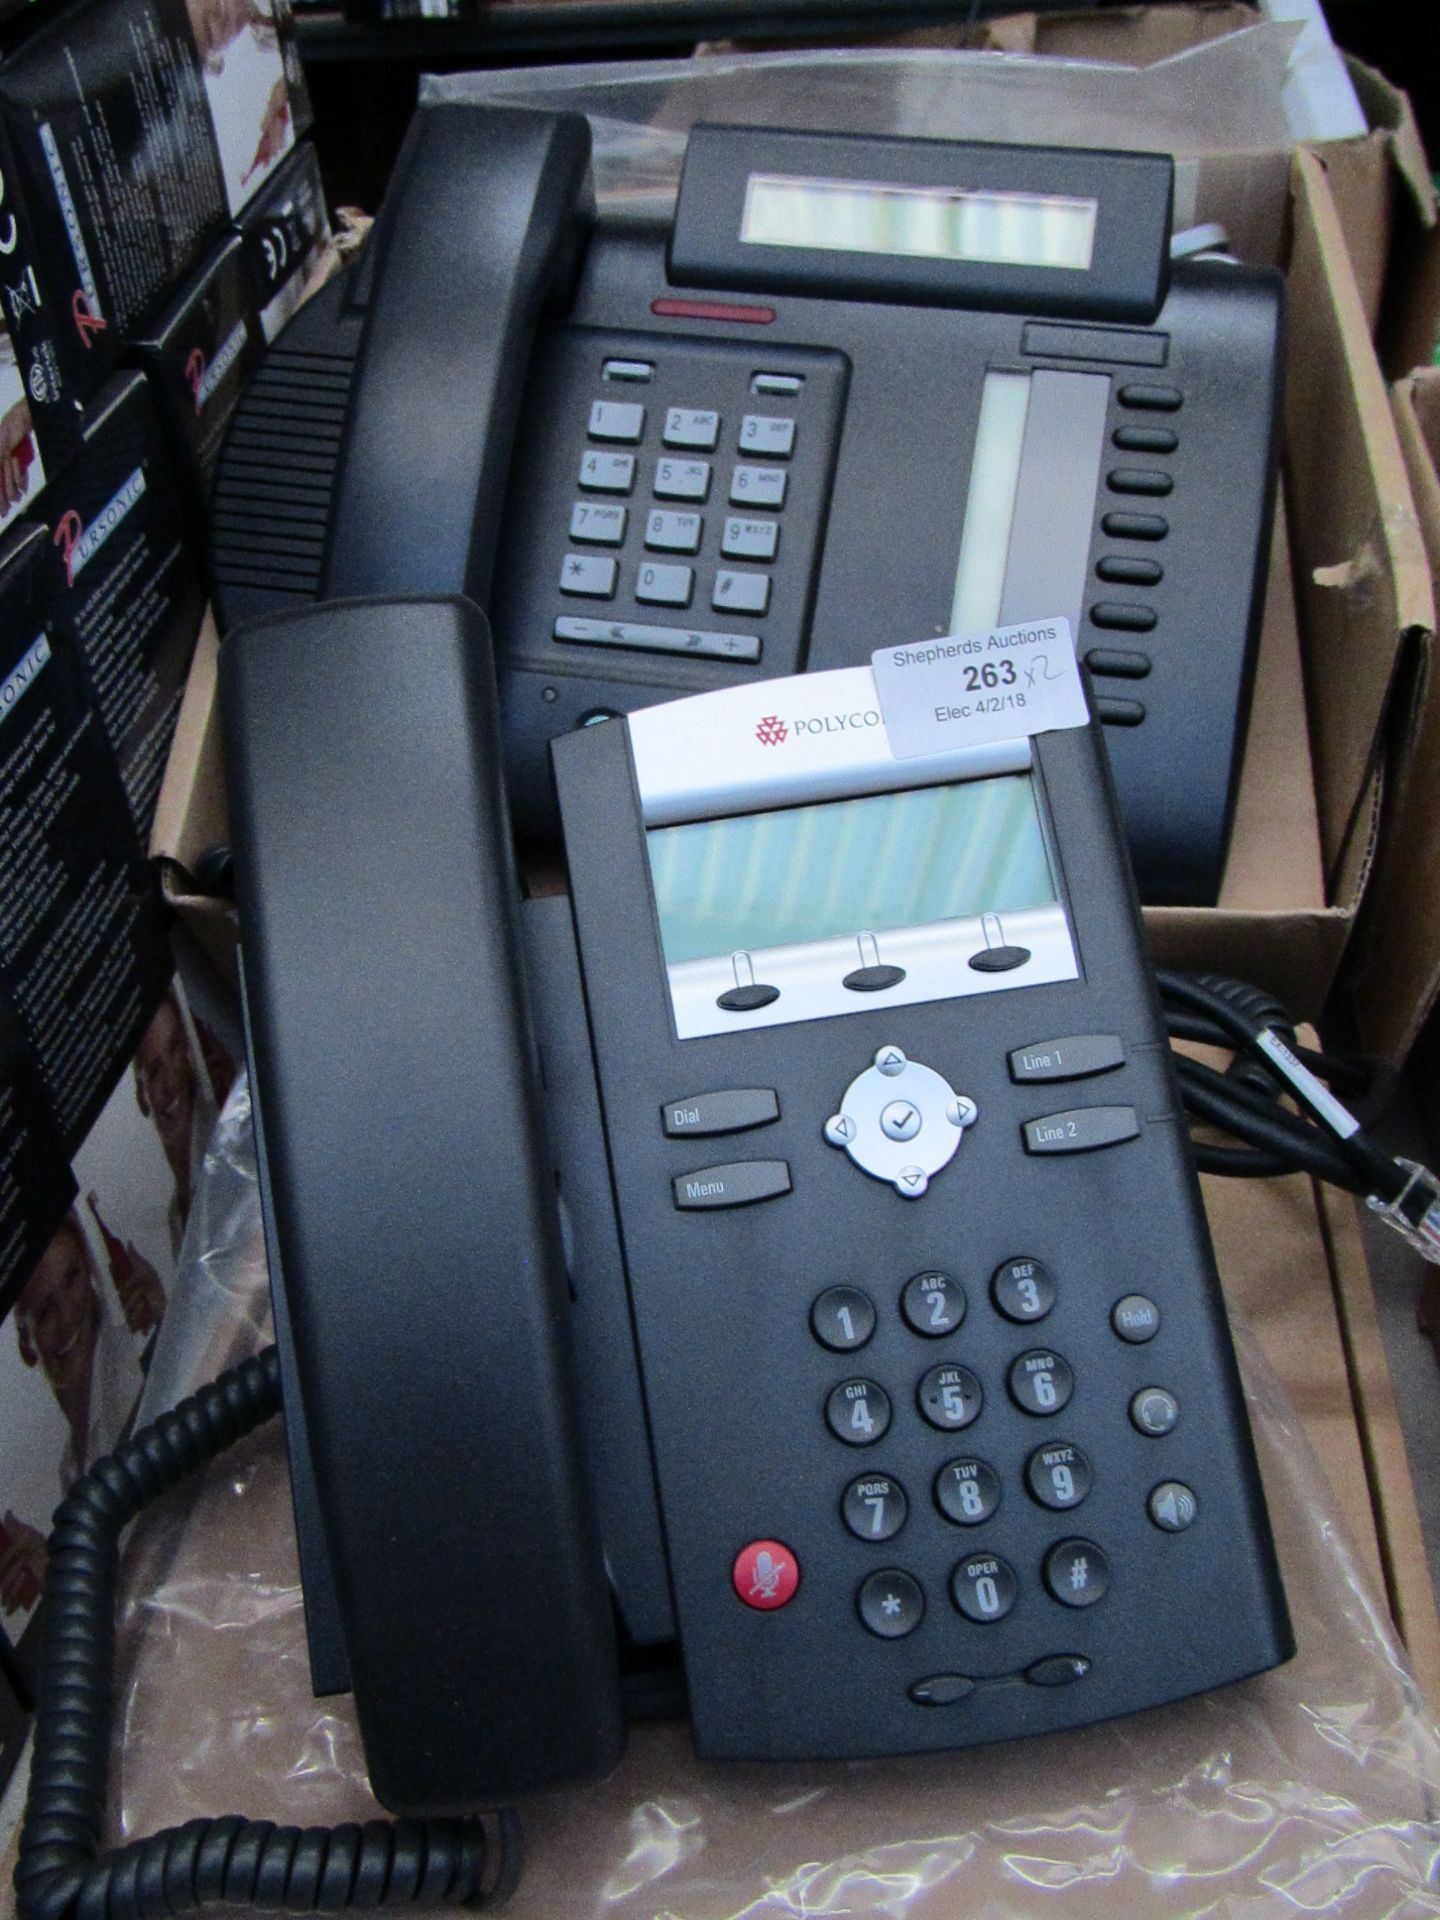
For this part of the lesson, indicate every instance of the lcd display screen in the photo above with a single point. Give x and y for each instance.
(840, 867)
(936, 223)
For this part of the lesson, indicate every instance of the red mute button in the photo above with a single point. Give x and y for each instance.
(766, 1574)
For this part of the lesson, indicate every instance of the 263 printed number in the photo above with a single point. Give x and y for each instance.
(993, 673)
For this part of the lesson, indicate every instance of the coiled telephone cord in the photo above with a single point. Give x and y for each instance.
(61, 1874)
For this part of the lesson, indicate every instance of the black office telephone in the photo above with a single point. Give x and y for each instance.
(786, 1245)
(862, 390)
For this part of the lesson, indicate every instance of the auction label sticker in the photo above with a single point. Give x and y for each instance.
(966, 690)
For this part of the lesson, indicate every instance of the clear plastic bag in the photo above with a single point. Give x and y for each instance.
(1310, 1790)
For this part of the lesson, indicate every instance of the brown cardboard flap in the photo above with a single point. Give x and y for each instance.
(1361, 577)
(1396, 979)
(190, 812)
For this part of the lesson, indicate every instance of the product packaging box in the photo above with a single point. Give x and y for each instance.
(22, 471)
(131, 133)
(209, 340)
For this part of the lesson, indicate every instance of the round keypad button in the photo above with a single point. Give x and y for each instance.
(891, 1604)
(950, 1397)
(1076, 1573)
(1135, 1319)
(765, 1575)
(858, 1412)
(1154, 1411)
(842, 1318)
(1172, 1506)
(933, 1304)
(984, 1587)
(874, 1506)
(967, 1491)
(1040, 1381)
(1023, 1290)
(1058, 1476)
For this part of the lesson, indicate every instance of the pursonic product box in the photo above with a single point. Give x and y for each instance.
(131, 133)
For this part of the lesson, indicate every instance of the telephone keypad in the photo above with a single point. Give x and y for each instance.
(665, 586)
(984, 1588)
(741, 592)
(933, 1304)
(767, 434)
(590, 574)
(682, 479)
(750, 539)
(950, 1397)
(1023, 1290)
(967, 1491)
(607, 472)
(891, 1604)
(696, 428)
(858, 1412)
(600, 526)
(874, 1506)
(842, 1318)
(674, 532)
(1040, 1381)
(758, 487)
(1058, 1476)
(617, 420)
(1076, 1573)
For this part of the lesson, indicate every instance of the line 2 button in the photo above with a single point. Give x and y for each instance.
(1079, 1130)
(736, 1185)
(1074, 1057)
(728, 1111)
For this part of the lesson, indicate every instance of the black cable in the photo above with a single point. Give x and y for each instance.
(61, 1874)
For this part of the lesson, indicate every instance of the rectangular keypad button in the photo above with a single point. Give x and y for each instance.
(758, 487)
(737, 1185)
(673, 532)
(592, 574)
(665, 586)
(1079, 1130)
(640, 371)
(750, 539)
(607, 472)
(617, 420)
(767, 433)
(636, 633)
(682, 479)
(782, 383)
(1070, 1058)
(740, 592)
(692, 427)
(728, 1111)
(602, 526)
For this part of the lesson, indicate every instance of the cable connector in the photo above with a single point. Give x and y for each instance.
(1414, 1212)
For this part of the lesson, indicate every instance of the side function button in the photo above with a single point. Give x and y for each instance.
(1123, 665)
(842, 1318)
(617, 420)
(1080, 1130)
(941, 1690)
(950, 1397)
(1154, 1412)
(731, 1186)
(933, 1304)
(967, 1491)
(767, 434)
(1172, 1506)
(1074, 1057)
(1123, 570)
(727, 1111)
(874, 1507)
(1150, 399)
(1145, 439)
(1122, 616)
(1076, 1573)
(1120, 713)
(1058, 1670)
(691, 427)
(984, 1587)
(1135, 526)
(1023, 1290)
(891, 1604)
(765, 1575)
(1140, 480)
(858, 1412)
(1040, 1381)
(1135, 1319)
(1058, 1476)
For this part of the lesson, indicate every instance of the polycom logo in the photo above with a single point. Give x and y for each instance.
(771, 731)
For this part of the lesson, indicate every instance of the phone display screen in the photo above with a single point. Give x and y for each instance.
(826, 871)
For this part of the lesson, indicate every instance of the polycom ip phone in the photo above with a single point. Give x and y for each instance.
(783, 1249)
(861, 390)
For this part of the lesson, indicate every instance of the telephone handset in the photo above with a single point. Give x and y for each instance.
(859, 390)
(862, 1336)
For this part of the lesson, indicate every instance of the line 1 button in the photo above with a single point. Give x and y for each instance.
(736, 1185)
(1071, 1058)
(1080, 1130)
(725, 1112)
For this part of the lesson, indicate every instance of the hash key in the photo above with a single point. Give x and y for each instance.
(741, 592)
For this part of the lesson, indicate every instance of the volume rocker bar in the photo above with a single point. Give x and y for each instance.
(633, 633)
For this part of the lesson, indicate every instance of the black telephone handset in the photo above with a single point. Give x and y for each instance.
(859, 390)
(786, 1247)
